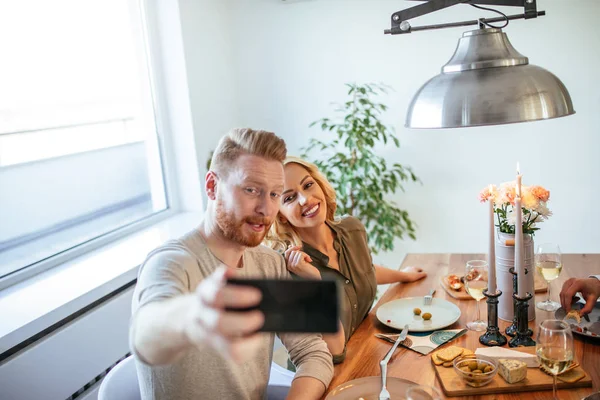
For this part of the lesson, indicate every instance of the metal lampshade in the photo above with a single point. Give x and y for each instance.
(488, 82)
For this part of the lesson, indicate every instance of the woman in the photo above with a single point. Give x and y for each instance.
(317, 246)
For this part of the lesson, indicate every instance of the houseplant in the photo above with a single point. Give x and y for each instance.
(347, 155)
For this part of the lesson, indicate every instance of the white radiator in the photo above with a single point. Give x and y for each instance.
(61, 363)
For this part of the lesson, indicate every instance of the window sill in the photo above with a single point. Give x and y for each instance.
(35, 304)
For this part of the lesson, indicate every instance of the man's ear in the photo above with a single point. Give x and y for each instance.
(210, 184)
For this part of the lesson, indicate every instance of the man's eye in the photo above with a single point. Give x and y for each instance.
(275, 195)
(251, 190)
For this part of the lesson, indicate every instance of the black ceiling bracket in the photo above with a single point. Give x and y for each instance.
(400, 24)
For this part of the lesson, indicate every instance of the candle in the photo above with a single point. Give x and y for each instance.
(519, 176)
(519, 264)
(492, 248)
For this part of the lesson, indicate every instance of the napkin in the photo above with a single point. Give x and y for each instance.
(425, 342)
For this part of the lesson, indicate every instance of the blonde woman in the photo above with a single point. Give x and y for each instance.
(316, 246)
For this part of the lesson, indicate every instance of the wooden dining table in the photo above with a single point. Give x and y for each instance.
(364, 350)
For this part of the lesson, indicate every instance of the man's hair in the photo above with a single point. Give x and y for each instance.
(240, 141)
(282, 234)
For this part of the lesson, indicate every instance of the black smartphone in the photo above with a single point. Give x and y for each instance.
(300, 306)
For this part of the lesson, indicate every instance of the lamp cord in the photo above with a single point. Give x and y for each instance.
(492, 10)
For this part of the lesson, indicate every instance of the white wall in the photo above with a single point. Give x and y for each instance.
(290, 60)
(209, 56)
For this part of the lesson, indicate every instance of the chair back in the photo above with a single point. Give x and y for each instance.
(121, 382)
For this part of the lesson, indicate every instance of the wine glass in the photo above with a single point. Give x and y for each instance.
(476, 281)
(421, 392)
(548, 262)
(554, 348)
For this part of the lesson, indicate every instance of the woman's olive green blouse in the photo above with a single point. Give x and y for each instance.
(356, 274)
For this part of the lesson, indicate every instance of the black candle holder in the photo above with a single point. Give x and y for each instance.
(512, 329)
(523, 336)
(492, 336)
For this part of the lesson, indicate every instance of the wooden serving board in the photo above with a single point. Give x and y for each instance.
(539, 283)
(453, 385)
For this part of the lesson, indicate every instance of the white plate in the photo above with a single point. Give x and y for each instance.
(398, 313)
(369, 387)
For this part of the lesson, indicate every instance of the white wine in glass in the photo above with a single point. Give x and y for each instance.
(476, 281)
(548, 262)
(554, 348)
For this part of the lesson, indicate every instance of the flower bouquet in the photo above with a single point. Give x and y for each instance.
(534, 209)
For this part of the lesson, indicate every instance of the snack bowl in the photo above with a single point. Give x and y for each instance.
(468, 369)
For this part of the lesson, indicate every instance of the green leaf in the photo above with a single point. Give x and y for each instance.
(359, 175)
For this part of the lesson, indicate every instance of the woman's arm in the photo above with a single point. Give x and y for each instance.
(385, 275)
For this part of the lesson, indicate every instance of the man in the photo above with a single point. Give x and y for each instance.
(186, 345)
(589, 288)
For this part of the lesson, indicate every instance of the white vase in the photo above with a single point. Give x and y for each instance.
(505, 260)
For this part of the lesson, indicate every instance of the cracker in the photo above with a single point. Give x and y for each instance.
(573, 314)
(448, 364)
(573, 365)
(435, 359)
(449, 353)
(572, 376)
(467, 352)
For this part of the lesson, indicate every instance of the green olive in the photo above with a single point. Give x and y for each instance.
(472, 365)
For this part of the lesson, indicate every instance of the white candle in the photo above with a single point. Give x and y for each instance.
(492, 249)
(519, 176)
(519, 265)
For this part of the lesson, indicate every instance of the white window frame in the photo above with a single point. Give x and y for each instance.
(183, 188)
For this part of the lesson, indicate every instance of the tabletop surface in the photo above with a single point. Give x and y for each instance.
(364, 350)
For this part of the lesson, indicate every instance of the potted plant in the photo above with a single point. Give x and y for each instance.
(363, 180)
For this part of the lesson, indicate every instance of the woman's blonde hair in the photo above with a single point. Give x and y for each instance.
(283, 234)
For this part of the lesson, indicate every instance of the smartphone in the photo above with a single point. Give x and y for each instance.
(299, 306)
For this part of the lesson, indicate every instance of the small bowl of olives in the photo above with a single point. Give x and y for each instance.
(475, 370)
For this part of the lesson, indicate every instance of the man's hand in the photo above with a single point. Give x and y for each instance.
(233, 333)
(298, 262)
(589, 288)
(411, 274)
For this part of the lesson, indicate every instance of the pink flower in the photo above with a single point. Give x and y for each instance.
(507, 193)
(486, 194)
(541, 193)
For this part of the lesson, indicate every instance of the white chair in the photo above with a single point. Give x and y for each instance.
(280, 381)
(121, 382)
(280, 376)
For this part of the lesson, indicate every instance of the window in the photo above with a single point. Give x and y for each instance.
(79, 150)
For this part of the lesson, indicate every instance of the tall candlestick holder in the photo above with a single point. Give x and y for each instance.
(523, 336)
(492, 336)
(512, 329)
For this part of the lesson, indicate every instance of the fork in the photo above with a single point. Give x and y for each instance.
(385, 394)
(429, 297)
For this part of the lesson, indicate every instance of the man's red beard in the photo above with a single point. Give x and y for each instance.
(234, 230)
